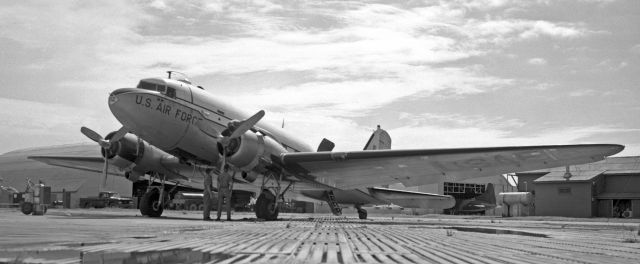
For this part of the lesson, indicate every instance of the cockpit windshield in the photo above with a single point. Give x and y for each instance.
(147, 85)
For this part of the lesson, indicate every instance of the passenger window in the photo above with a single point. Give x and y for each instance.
(171, 92)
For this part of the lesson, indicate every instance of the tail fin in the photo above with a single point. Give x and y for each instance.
(489, 195)
(326, 145)
(380, 139)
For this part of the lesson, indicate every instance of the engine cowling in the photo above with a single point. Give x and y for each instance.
(253, 151)
(134, 156)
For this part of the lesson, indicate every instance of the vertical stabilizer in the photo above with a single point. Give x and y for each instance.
(380, 139)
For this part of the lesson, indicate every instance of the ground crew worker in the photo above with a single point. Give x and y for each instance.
(225, 187)
(208, 182)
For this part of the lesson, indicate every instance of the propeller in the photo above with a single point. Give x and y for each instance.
(236, 129)
(106, 146)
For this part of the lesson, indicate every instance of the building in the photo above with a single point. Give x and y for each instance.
(608, 188)
(68, 185)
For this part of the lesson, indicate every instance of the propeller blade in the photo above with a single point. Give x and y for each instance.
(119, 134)
(91, 134)
(106, 172)
(245, 125)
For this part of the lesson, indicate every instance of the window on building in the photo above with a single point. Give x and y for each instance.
(564, 190)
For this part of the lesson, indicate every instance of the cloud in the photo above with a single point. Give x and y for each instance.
(584, 92)
(48, 124)
(427, 136)
(537, 61)
(348, 59)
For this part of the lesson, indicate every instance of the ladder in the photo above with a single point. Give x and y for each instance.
(335, 207)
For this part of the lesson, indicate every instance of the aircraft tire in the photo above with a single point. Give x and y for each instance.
(265, 207)
(26, 208)
(362, 214)
(149, 204)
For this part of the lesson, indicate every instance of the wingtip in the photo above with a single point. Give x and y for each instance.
(616, 148)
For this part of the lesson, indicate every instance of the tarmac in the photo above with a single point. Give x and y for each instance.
(123, 236)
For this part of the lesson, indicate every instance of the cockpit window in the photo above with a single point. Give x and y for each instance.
(171, 92)
(152, 86)
(147, 86)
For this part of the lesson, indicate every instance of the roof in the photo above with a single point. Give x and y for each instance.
(617, 195)
(576, 176)
(587, 172)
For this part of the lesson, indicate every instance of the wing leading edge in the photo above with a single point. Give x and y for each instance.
(358, 169)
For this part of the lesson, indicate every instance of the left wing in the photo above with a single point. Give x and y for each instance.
(93, 164)
(358, 169)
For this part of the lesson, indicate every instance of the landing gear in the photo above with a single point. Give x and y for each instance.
(26, 208)
(362, 214)
(150, 204)
(272, 192)
(267, 206)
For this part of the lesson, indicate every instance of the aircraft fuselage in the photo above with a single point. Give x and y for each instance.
(172, 115)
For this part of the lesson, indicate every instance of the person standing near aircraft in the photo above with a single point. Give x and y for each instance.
(208, 182)
(225, 186)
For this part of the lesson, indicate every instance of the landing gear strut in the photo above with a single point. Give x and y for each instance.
(362, 214)
(272, 192)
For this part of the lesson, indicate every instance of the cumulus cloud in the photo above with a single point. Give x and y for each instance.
(537, 61)
(355, 58)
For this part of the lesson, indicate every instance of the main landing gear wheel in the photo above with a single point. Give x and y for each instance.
(362, 214)
(266, 206)
(150, 203)
(26, 208)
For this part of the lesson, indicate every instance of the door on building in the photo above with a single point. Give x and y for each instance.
(605, 208)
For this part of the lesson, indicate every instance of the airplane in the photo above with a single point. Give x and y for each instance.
(173, 132)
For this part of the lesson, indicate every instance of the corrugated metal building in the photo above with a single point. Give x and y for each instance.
(608, 188)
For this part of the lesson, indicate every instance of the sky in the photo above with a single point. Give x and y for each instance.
(434, 74)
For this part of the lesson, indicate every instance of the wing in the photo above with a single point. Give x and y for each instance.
(174, 171)
(93, 164)
(358, 169)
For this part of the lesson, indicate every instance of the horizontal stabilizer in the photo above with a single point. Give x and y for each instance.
(410, 199)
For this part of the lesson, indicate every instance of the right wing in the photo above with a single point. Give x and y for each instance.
(361, 169)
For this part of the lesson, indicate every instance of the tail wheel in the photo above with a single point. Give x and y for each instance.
(26, 208)
(266, 206)
(149, 205)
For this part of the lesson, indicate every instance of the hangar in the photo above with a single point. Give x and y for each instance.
(608, 188)
(67, 185)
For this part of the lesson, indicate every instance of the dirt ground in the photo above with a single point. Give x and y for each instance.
(124, 236)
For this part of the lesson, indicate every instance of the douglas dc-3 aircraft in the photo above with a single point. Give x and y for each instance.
(174, 132)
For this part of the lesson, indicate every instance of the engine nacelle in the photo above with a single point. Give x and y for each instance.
(135, 156)
(250, 176)
(253, 151)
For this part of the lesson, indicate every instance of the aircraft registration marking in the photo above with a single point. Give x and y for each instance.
(178, 112)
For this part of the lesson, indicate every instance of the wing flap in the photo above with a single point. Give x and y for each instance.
(409, 199)
(358, 169)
